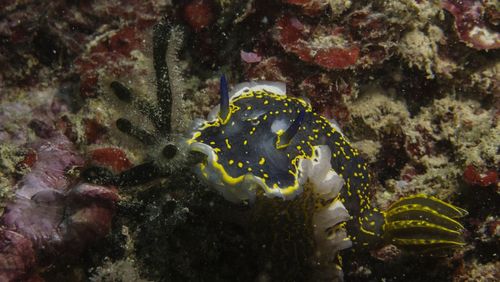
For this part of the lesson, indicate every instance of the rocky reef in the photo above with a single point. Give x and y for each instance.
(413, 84)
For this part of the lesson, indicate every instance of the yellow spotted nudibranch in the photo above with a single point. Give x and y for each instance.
(259, 141)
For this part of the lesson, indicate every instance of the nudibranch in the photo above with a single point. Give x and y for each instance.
(258, 143)
(261, 142)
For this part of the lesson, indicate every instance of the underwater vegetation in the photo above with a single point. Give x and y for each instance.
(117, 164)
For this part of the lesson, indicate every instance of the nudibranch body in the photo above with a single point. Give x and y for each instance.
(261, 142)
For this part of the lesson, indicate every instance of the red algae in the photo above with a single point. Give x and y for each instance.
(111, 54)
(473, 177)
(328, 47)
(337, 58)
(94, 131)
(199, 14)
(471, 25)
(28, 161)
(271, 68)
(113, 158)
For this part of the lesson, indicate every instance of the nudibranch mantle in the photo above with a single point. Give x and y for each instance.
(271, 144)
(262, 142)
(243, 154)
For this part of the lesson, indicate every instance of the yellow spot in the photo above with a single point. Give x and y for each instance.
(262, 161)
(240, 164)
(231, 162)
(245, 142)
(249, 107)
(227, 144)
(266, 102)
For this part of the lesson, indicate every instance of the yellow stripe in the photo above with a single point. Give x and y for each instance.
(426, 242)
(405, 224)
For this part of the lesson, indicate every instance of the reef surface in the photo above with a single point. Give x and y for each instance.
(413, 84)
